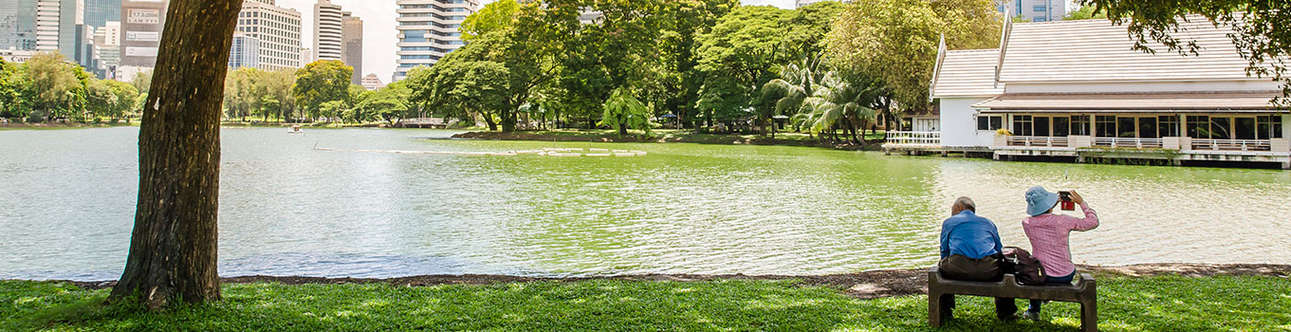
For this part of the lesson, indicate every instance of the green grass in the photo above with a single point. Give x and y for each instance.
(1129, 304)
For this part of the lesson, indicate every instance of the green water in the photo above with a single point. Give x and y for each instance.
(290, 209)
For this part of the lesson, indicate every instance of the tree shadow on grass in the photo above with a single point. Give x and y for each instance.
(1129, 304)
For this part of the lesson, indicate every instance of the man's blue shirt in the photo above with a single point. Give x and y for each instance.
(968, 235)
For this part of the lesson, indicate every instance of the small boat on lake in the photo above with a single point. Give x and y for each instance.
(295, 130)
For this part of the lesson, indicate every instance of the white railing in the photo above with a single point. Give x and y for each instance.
(1039, 141)
(1232, 144)
(932, 138)
(1129, 142)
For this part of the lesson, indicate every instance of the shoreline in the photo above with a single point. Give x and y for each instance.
(864, 285)
(673, 137)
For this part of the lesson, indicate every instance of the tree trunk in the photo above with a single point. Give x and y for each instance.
(173, 248)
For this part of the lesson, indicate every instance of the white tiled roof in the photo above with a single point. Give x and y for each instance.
(967, 73)
(1096, 50)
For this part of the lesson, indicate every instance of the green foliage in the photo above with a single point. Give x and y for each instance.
(321, 82)
(57, 87)
(12, 87)
(1131, 304)
(624, 111)
(497, 16)
(1085, 13)
(1261, 33)
(896, 41)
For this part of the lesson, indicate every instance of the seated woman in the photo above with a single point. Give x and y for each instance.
(1049, 234)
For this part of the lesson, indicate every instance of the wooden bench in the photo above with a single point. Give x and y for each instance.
(1085, 292)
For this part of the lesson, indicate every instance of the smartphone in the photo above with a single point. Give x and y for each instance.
(1067, 203)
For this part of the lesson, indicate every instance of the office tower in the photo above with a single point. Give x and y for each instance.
(1036, 10)
(99, 12)
(306, 56)
(277, 32)
(428, 31)
(327, 30)
(47, 14)
(245, 51)
(352, 45)
(107, 47)
(141, 27)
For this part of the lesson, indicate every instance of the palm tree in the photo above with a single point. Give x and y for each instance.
(797, 82)
(839, 103)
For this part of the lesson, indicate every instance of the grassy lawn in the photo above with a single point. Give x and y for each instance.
(1130, 304)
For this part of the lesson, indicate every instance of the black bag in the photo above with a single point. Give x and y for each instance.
(1025, 268)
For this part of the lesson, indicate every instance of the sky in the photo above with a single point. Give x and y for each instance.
(379, 35)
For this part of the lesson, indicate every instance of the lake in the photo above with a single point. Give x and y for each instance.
(67, 200)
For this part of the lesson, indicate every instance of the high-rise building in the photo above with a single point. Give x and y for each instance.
(352, 45)
(327, 30)
(428, 31)
(99, 12)
(141, 26)
(107, 48)
(1036, 10)
(372, 82)
(277, 31)
(306, 56)
(245, 51)
(47, 25)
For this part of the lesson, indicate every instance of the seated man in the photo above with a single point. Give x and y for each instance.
(971, 251)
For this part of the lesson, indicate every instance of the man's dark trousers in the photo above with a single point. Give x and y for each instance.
(957, 267)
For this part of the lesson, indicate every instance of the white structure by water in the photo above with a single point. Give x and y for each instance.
(1077, 89)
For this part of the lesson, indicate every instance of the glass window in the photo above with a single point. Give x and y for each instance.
(1269, 127)
(990, 122)
(1168, 126)
(1080, 125)
(1041, 124)
(1148, 127)
(1105, 126)
(1125, 127)
(1022, 125)
(1220, 128)
(1244, 128)
(1061, 126)
(1198, 126)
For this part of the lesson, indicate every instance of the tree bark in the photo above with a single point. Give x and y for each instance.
(173, 250)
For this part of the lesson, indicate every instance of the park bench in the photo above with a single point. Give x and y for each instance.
(1084, 292)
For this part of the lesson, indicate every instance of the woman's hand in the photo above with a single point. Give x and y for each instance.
(1075, 197)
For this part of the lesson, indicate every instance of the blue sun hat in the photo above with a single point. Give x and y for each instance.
(1040, 201)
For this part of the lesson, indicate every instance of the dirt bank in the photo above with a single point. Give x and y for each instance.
(866, 285)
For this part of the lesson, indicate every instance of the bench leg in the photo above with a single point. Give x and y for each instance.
(1089, 316)
(940, 307)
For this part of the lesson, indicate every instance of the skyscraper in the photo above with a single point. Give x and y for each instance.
(245, 51)
(428, 31)
(141, 27)
(99, 12)
(352, 45)
(327, 30)
(1036, 10)
(47, 24)
(277, 32)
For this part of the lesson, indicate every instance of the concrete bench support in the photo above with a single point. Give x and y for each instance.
(1085, 292)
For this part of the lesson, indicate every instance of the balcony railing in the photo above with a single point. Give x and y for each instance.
(1232, 144)
(1138, 143)
(1039, 141)
(926, 138)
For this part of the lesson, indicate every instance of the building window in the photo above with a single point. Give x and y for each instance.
(1270, 127)
(1041, 124)
(1219, 128)
(1198, 126)
(1022, 125)
(1040, 8)
(1168, 126)
(1105, 126)
(1061, 126)
(1080, 125)
(1125, 127)
(1245, 128)
(1148, 127)
(990, 122)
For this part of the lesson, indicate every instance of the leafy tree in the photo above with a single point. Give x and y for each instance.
(56, 87)
(1261, 33)
(389, 103)
(12, 87)
(623, 111)
(101, 99)
(498, 16)
(840, 102)
(738, 55)
(676, 81)
(895, 42)
(126, 96)
(243, 92)
(321, 82)
(797, 82)
(1084, 13)
(278, 99)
